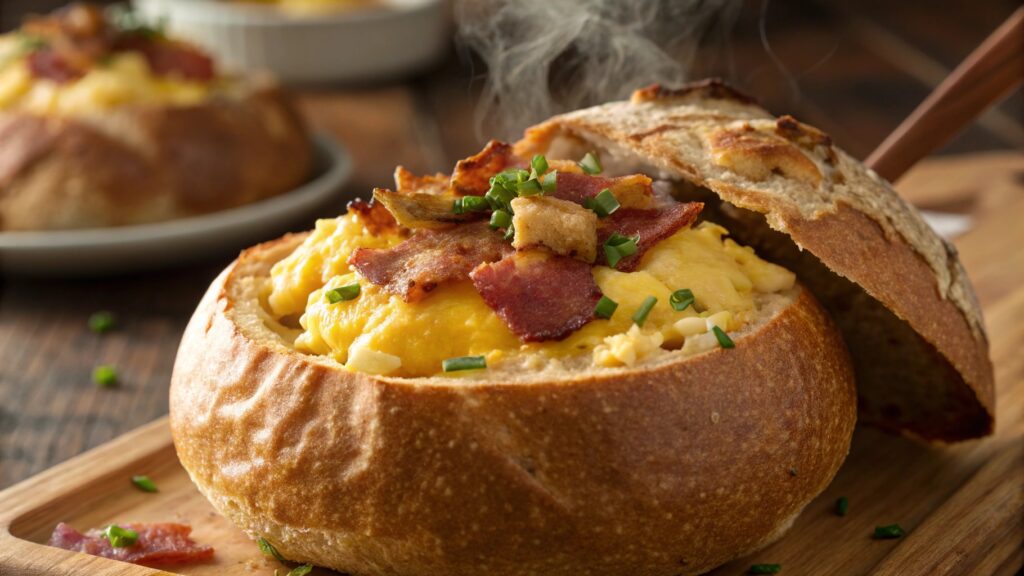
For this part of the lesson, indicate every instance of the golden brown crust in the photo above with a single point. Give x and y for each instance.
(668, 470)
(148, 163)
(839, 211)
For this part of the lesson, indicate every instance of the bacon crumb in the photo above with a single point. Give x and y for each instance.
(158, 544)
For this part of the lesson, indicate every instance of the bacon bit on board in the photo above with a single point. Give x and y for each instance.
(539, 296)
(158, 544)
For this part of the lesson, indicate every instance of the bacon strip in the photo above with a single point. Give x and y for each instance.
(539, 296)
(631, 191)
(430, 257)
(472, 175)
(653, 226)
(373, 216)
(164, 543)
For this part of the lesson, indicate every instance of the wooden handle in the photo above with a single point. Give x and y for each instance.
(988, 74)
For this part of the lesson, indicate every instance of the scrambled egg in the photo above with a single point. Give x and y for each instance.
(124, 79)
(379, 333)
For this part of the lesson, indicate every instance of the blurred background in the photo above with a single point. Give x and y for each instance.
(855, 69)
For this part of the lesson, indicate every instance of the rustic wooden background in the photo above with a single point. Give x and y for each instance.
(855, 69)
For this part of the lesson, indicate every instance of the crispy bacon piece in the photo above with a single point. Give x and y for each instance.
(373, 216)
(652, 225)
(631, 191)
(407, 182)
(430, 257)
(158, 544)
(52, 65)
(539, 296)
(472, 175)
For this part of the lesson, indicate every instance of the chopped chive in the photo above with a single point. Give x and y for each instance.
(268, 549)
(605, 307)
(640, 316)
(889, 532)
(464, 363)
(500, 219)
(765, 569)
(605, 203)
(499, 196)
(681, 299)
(723, 339)
(529, 188)
(144, 483)
(539, 164)
(301, 570)
(104, 375)
(591, 164)
(457, 207)
(549, 181)
(346, 292)
(120, 537)
(617, 247)
(510, 233)
(842, 505)
(474, 204)
(100, 322)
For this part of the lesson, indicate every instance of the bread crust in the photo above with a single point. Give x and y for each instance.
(146, 163)
(669, 470)
(843, 214)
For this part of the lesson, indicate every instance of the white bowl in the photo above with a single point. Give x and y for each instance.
(388, 38)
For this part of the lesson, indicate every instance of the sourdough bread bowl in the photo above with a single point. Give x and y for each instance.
(105, 122)
(309, 404)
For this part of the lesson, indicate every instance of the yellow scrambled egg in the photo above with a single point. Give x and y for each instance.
(124, 79)
(382, 334)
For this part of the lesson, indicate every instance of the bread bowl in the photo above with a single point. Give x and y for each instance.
(106, 122)
(318, 416)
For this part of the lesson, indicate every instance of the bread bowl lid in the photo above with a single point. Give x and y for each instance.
(895, 288)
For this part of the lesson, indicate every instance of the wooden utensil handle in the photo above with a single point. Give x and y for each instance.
(988, 74)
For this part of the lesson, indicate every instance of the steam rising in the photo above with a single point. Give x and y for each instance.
(548, 56)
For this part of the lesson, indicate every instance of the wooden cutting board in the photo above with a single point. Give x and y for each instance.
(963, 506)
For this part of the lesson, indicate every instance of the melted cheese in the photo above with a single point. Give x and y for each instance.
(124, 79)
(454, 320)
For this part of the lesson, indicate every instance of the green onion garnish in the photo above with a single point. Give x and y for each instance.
(681, 299)
(120, 537)
(464, 363)
(268, 549)
(723, 339)
(474, 204)
(500, 197)
(144, 483)
(457, 207)
(301, 570)
(346, 292)
(591, 164)
(617, 247)
(539, 164)
(765, 569)
(605, 203)
(100, 322)
(529, 188)
(549, 181)
(510, 232)
(842, 505)
(888, 532)
(104, 375)
(640, 316)
(500, 219)
(605, 307)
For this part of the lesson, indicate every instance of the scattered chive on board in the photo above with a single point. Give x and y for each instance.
(889, 532)
(301, 570)
(765, 569)
(268, 549)
(104, 375)
(342, 293)
(101, 322)
(723, 339)
(120, 537)
(464, 363)
(144, 483)
(842, 505)
(640, 316)
(681, 299)
(605, 307)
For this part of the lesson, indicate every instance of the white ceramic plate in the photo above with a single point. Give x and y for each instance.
(385, 39)
(103, 251)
